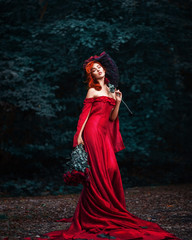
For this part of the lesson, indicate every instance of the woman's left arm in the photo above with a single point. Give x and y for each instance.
(115, 111)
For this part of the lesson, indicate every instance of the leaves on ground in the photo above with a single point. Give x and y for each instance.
(169, 206)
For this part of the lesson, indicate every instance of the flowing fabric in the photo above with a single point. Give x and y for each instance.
(101, 210)
(112, 127)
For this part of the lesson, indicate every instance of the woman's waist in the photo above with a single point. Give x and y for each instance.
(97, 121)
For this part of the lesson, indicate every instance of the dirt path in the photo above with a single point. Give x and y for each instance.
(170, 206)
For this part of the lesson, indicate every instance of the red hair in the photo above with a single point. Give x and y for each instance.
(93, 83)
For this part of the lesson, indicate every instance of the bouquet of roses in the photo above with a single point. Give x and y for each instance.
(78, 167)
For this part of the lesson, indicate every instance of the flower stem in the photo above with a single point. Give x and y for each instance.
(127, 107)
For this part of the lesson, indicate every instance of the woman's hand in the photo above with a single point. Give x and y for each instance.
(118, 95)
(114, 112)
(80, 140)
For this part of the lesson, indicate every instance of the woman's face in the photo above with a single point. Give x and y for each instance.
(97, 71)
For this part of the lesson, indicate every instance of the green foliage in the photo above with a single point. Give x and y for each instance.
(43, 46)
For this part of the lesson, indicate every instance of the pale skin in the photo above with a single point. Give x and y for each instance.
(98, 73)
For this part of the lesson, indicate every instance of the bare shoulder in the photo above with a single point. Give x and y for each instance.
(113, 95)
(91, 93)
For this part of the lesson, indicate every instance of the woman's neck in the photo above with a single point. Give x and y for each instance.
(101, 82)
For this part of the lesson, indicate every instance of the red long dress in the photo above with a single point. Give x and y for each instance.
(101, 211)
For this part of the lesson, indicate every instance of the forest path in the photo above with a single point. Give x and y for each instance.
(170, 206)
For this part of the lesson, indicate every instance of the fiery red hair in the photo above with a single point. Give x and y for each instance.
(93, 83)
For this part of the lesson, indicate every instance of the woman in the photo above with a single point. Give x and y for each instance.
(101, 210)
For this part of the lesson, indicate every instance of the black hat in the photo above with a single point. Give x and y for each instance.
(112, 72)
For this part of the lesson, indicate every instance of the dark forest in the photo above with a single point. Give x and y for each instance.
(42, 88)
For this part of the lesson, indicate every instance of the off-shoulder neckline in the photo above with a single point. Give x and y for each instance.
(101, 96)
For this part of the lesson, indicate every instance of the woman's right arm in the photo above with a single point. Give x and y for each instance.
(80, 139)
(90, 94)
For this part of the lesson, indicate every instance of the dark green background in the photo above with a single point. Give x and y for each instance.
(43, 47)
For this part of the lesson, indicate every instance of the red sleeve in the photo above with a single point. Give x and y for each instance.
(85, 111)
(113, 130)
(115, 135)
